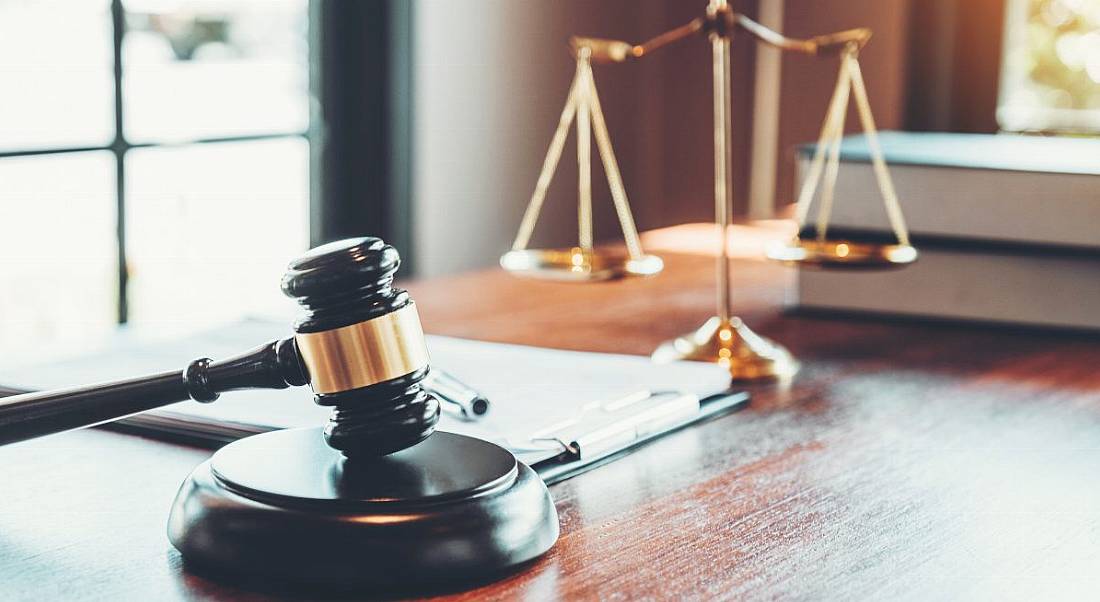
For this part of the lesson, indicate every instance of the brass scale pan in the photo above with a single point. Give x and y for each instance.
(843, 254)
(578, 265)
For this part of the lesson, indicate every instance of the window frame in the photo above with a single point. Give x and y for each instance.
(358, 132)
(119, 146)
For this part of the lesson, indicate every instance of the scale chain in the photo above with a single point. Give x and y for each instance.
(878, 161)
(809, 186)
(850, 79)
(832, 164)
(584, 151)
(582, 104)
(611, 168)
(549, 165)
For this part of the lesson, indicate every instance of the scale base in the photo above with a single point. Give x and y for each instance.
(843, 254)
(730, 343)
(283, 507)
(578, 265)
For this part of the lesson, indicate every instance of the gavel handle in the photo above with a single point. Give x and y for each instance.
(273, 366)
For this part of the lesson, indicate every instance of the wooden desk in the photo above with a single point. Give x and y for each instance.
(905, 460)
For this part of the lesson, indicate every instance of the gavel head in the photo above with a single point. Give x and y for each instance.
(361, 342)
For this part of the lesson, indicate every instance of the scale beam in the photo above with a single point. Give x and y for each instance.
(722, 21)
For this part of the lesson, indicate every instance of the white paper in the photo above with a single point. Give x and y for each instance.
(530, 388)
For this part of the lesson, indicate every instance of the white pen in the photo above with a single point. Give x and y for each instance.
(457, 398)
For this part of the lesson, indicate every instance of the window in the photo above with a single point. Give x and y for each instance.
(1050, 78)
(154, 162)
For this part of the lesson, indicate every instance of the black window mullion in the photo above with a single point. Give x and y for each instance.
(119, 147)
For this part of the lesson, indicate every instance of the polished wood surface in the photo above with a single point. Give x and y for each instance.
(905, 460)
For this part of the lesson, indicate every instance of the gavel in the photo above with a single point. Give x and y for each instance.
(376, 497)
(359, 346)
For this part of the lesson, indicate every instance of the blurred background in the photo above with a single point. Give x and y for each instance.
(161, 160)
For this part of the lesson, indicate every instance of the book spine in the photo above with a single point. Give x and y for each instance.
(1049, 291)
(1042, 209)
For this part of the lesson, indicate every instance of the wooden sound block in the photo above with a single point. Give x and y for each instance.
(285, 506)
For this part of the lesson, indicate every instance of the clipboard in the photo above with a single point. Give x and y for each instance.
(625, 428)
(608, 405)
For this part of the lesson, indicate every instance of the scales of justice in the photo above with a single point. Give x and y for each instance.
(723, 338)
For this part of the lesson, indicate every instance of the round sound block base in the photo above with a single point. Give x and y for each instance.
(284, 506)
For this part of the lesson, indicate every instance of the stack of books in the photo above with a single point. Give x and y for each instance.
(1008, 229)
